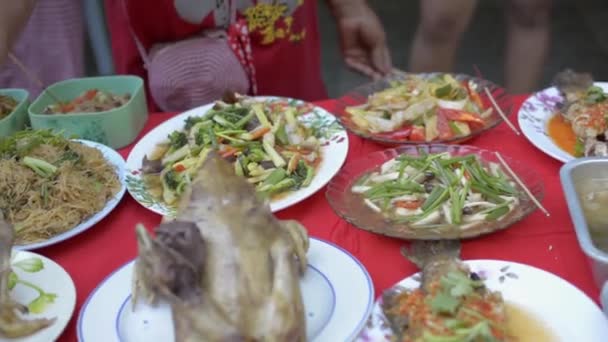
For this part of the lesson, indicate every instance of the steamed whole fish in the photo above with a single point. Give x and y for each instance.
(452, 303)
(585, 106)
(12, 323)
(229, 269)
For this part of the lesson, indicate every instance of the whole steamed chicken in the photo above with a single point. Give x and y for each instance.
(229, 269)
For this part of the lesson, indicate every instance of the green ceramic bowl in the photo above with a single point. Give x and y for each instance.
(17, 119)
(115, 128)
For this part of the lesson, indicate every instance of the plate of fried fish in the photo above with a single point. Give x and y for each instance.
(226, 269)
(480, 300)
(568, 120)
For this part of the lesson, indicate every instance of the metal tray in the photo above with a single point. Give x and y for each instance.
(571, 175)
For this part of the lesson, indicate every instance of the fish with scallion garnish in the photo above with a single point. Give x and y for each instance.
(451, 305)
(439, 189)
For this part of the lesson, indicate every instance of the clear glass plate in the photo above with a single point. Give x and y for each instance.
(360, 95)
(350, 206)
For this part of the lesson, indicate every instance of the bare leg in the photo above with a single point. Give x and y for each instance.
(442, 23)
(528, 34)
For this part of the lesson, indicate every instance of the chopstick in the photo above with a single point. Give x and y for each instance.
(506, 166)
(499, 110)
(32, 76)
(398, 72)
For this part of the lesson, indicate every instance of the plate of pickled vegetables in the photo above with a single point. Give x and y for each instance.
(286, 148)
(416, 108)
(434, 192)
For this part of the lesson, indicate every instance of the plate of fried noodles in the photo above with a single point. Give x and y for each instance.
(52, 188)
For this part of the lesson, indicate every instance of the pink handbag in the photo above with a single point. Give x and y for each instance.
(199, 70)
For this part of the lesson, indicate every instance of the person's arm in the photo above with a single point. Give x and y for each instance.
(13, 17)
(362, 37)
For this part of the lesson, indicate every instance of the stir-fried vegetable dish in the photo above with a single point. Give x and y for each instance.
(7, 105)
(422, 109)
(437, 189)
(264, 140)
(90, 101)
(455, 306)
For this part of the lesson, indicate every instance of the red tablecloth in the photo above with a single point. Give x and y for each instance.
(545, 242)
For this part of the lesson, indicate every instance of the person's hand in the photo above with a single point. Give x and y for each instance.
(362, 38)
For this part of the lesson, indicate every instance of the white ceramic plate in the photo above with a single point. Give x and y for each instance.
(118, 162)
(337, 291)
(550, 299)
(534, 115)
(334, 153)
(53, 279)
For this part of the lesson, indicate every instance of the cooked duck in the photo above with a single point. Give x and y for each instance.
(229, 269)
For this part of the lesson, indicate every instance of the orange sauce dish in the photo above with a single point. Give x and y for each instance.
(560, 131)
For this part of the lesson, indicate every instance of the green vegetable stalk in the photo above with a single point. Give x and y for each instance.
(41, 167)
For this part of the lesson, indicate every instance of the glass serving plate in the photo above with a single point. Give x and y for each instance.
(350, 206)
(360, 95)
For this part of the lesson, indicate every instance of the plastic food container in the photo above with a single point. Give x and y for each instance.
(571, 175)
(115, 128)
(17, 119)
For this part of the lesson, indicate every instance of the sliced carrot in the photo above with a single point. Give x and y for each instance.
(460, 115)
(408, 204)
(315, 163)
(90, 94)
(259, 132)
(179, 167)
(229, 151)
(66, 108)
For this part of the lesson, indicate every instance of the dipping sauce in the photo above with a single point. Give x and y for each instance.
(560, 131)
(525, 327)
(593, 195)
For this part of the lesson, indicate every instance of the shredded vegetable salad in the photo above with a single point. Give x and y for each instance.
(422, 109)
(263, 139)
(457, 307)
(7, 105)
(437, 189)
(90, 101)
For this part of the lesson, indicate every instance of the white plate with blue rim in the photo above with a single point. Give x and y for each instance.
(46, 289)
(534, 115)
(337, 291)
(115, 160)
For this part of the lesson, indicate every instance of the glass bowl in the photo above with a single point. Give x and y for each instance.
(350, 206)
(360, 95)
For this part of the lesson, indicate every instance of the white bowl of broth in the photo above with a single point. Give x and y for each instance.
(585, 184)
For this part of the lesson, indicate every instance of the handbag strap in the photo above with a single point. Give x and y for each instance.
(140, 47)
(238, 39)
